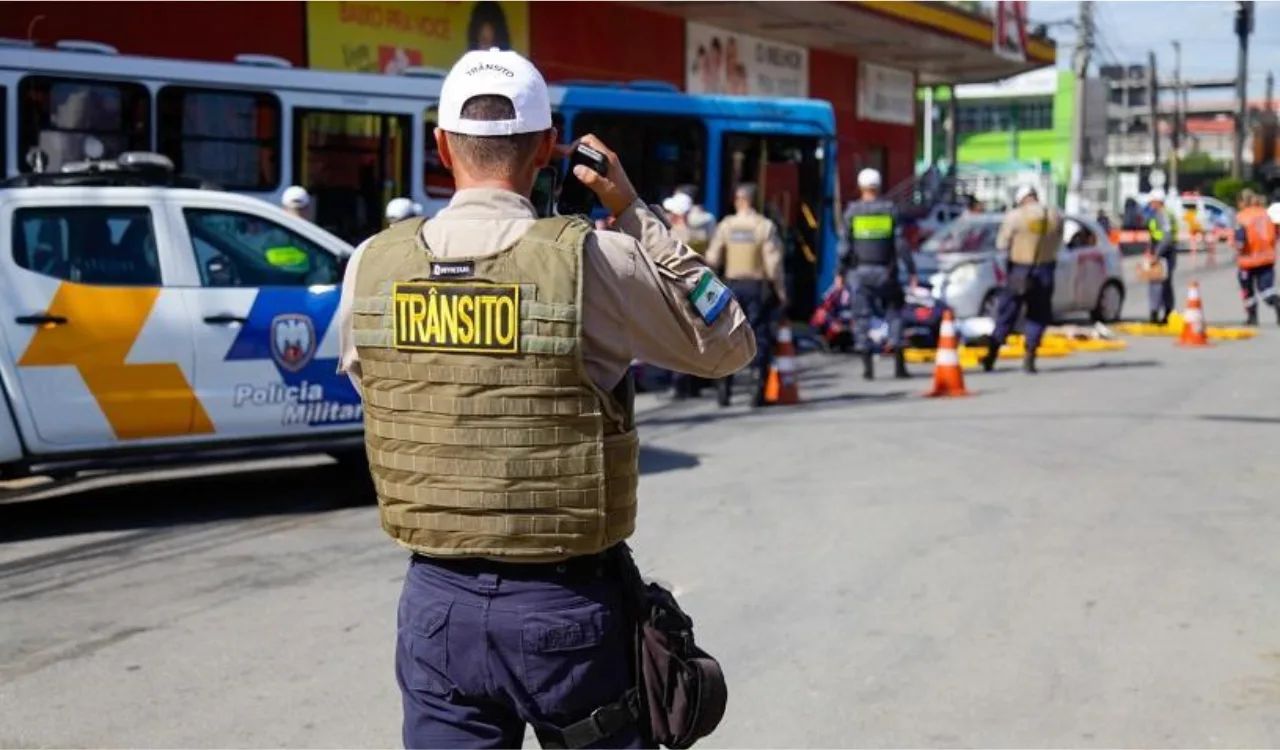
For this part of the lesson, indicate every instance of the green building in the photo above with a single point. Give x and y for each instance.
(1015, 125)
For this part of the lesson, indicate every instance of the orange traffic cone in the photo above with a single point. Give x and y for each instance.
(948, 379)
(1193, 328)
(783, 385)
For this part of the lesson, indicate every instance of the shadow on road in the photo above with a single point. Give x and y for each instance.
(139, 501)
(1046, 367)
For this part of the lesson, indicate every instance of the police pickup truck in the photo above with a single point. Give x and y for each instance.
(148, 318)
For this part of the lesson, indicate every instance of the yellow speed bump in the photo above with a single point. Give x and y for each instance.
(1230, 334)
(969, 358)
(1085, 345)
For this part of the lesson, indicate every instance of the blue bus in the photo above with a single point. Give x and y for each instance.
(666, 138)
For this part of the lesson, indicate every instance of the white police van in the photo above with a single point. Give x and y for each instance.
(147, 317)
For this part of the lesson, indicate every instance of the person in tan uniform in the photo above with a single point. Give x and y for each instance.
(491, 350)
(678, 208)
(1031, 234)
(746, 247)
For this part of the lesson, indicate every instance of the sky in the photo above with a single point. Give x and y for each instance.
(1128, 29)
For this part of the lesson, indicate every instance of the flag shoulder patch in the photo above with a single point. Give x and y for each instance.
(709, 297)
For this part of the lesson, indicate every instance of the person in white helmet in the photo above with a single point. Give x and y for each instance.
(297, 201)
(399, 209)
(1163, 229)
(869, 258)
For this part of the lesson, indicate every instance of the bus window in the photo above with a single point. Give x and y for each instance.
(788, 176)
(353, 163)
(57, 114)
(231, 138)
(659, 152)
(438, 179)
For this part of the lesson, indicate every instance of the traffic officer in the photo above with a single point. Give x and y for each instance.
(870, 258)
(491, 349)
(1255, 243)
(297, 201)
(702, 223)
(1163, 229)
(1031, 234)
(678, 207)
(746, 247)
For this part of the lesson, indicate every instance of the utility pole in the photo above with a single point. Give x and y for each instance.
(1271, 82)
(1084, 47)
(1178, 114)
(1153, 103)
(1244, 27)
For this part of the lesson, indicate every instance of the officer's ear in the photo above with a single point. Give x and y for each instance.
(442, 148)
(546, 148)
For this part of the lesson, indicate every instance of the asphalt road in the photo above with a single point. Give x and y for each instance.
(1086, 558)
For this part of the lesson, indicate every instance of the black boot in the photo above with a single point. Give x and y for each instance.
(989, 359)
(1251, 316)
(1276, 305)
(900, 364)
(868, 366)
(1029, 363)
(1155, 317)
(724, 390)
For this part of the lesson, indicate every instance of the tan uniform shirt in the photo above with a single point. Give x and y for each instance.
(1031, 234)
(636, 288)
(766, 237)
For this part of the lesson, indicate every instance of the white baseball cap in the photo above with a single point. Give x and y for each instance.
(295, 196)
(495, 72)
(399, 208)
(678, 204)
(1025, 192)
(869, 178)
(1155, 195)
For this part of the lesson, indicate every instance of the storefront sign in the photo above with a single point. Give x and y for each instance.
(387, 37)
(726, 62)
(886, 94)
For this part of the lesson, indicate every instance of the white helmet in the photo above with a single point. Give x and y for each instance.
(868, 179)
(295, 196)
(1155, 195)
(678, 204)
(1025, 192)
(1273, 212)
(399, 209)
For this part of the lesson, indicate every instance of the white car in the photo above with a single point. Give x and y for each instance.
(965, 271)
(142, 322)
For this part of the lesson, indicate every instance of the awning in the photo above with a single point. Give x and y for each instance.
(940, 43)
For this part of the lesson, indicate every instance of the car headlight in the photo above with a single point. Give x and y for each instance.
(965, 274)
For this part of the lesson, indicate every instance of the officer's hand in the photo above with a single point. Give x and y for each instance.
(839, 280)
(911, 281)
(615, 191)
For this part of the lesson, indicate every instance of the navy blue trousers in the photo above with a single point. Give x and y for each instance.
(1030, 286)
(876, 289)
(1160, 297)
(753, 297)
(484, 649)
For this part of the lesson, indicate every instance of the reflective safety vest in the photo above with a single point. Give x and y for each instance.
(1160, 227)
(744, 248)
(871, 231)
(485, 435)
(1259, 250)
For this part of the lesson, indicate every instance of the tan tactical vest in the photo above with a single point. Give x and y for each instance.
(1037, 234)
(743, 251)
(511, 454)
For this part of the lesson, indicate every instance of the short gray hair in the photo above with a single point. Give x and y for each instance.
(496, 155)
(747, 192)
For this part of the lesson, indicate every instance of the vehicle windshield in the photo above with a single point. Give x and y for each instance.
(964, 235)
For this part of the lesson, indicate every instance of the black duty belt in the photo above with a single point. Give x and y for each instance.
(583, 566)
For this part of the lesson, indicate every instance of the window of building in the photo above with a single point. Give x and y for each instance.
(353, 164)
(57, 114)
(1035, 114)
(235, 249)
(231, 138)
(110, 246)
(666, 151)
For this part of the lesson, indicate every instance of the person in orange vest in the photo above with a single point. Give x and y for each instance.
(1256, 258)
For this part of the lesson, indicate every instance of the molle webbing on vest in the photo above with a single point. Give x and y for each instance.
(516, 455)
(743, 254)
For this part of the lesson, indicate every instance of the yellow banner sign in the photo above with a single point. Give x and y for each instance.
(474, 317)
(387, 37)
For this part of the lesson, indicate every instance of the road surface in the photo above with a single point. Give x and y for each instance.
(1086, 557)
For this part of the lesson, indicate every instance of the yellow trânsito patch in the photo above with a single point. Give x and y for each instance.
(473, 317)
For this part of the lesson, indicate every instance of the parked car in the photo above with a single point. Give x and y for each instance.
(962, 266)
(146, 318)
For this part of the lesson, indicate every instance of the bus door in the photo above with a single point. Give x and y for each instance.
(787, 171)
(353, 164)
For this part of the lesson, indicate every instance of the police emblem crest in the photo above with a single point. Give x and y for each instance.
(293, 341)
